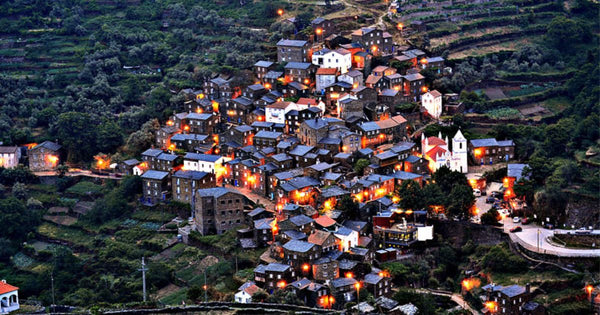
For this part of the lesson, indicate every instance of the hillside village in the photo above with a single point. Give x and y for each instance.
(319, 167)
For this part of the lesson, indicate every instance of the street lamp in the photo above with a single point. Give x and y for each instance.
(357, 286)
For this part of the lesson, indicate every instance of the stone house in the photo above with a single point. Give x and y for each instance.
(218, 210)
(155, 187)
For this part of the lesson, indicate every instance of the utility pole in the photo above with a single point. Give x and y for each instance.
(205, 288)
(52, 283)
(143, 270)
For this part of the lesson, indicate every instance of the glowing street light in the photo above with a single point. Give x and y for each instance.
(305, 267)
(319, 31)
(491, 306)
(357, 286)
(281, 284)
(280, 12)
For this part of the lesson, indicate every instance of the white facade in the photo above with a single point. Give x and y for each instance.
(323, 81)
(432, 101)
(436, 151)
(459, 153)
(9, 299)
(275, 113)
(208, 166)
(243, 297)
(340, 59)
(347, 241)
(9, 157)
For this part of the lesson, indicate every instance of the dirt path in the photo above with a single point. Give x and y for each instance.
(457, 298)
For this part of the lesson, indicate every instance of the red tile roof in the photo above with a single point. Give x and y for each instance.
(435, 141)
(5, 287)
(252, 289)
(433, 153)
(306, 101)
(318, 237)
(280, 105)
(435, 93)
(325, 221)
(326, 71)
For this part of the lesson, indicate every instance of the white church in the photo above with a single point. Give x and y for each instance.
(437, 152)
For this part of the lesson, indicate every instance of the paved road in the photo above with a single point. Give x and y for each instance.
(269, 205)
(530, 239)
(77, 172)
(457, 298)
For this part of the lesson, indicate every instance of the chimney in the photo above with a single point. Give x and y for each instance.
(3, 281)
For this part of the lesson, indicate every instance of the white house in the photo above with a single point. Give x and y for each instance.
(436, 151)
(244, 295)
(275, 112)
(325, 77)
(9, 157)
(9, 298)
(304, 103)
(348, 237)
(341, 59)
(432, 102)
(208, 163)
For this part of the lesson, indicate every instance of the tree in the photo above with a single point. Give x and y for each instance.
(411, 195)
(360, 165)
(109, 136)
(433, 195)
(19, 190)
(16, 220)
(490, 218)
(349, 206)
(460, 200)
(77, 134)
(563, 32)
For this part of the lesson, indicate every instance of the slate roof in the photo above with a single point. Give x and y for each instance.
(342, 282)
(412, 159)
(260, 268)
(386, 155)
(49, 145)
(167, 157)
(300, 220)
(369, 126)
(131, 162)
(188, 136)
(301, 150)
(331, 176)
(316, 123)
(318, 20)
(277, 267)
(244, 101)
(298, 65)
(263, 63)
(298, 246)
(197, 116)
(513, 290)
(295, 235)
(281, 157)
(333, 191)
(402, 146)
(372, 278)
(243, 128)
(263, 224)
(268, 134)
(273, 75)
(216, 192)
(303, 182)
(301, 284)
(298, 86)
(256, 211)
(202, 157)
(355, 225)
(344, 231)
(152, 152)
(156, 175)
(401, 175)
(506, 143)
(414, 77)
(195, 175)
(435, 59)
(291, 42)
(488, 142)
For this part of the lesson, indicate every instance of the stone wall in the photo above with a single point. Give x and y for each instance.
(458, 233)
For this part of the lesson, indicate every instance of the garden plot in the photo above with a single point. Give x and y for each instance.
(60, 219)
(494, 93)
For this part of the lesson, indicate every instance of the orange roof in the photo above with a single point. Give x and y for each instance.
(326, 71)
(5, 287)
(399, 119)
(387, 123)
(306, 101)
(435, 93)
(252, 289)
(318, 237)
(371, 79)
(380, 69)
(433, 153)
(324, 221)
(280, 105)
(435, 141)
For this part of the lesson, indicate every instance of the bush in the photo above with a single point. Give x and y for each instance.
(501, 259)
